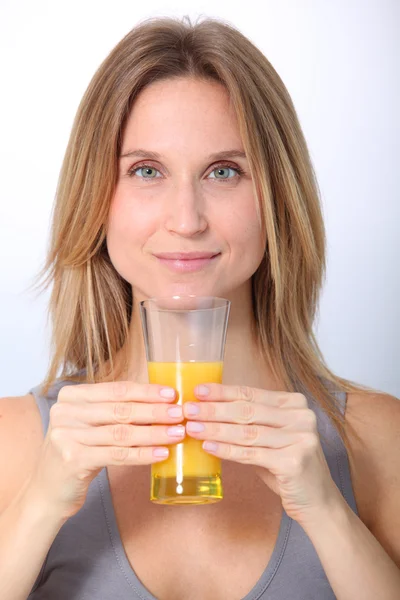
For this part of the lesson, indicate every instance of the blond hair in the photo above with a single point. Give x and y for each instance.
(91, 304)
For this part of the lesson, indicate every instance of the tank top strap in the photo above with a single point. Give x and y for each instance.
(340, 396)
(87, 558)
(332, 444)
(45, 403)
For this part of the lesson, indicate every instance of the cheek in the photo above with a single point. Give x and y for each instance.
(129, 228)
(247, 241)
(244, 231)
(130, 222)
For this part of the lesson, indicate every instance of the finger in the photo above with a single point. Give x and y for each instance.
(289, 461)
(123, 435)
(118, 391)
(99, 457)
(70, 414)
(244, 435)
(229, 393)
(264, 457)
(243, 412)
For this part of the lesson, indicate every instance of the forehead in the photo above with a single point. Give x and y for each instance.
(182, 111)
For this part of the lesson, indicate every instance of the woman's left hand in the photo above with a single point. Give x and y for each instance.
(276, 432)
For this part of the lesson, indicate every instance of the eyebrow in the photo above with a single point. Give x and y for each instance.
(215, 156)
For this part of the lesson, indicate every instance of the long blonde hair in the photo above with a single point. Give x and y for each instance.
(91, 304)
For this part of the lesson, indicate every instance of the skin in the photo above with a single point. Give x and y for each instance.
(250, 419)
(182, 206)
(186, 208)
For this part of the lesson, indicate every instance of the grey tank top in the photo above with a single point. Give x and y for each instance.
(87, 560)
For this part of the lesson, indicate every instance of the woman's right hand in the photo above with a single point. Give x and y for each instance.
(93, 426)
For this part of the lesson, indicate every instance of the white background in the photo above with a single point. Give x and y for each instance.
(340, 63)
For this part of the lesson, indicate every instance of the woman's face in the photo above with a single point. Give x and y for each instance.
(184, 222)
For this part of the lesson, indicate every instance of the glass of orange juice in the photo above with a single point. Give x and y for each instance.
(184, 338)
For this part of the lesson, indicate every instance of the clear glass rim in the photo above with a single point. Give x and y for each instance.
(221, 303)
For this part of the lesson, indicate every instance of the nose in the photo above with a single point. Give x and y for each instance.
(185, 211)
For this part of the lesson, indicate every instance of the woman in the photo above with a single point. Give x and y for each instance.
(187, 173)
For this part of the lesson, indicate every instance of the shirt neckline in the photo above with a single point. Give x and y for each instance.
(133, 580)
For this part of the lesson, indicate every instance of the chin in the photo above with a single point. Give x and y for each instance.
(188, 289)
(181, 288)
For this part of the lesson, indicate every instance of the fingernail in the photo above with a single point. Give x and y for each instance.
(202, 390)
(195, 427)
(161, 452)
(192, 409)
(167, 393)
(175, 411)
(176, 431)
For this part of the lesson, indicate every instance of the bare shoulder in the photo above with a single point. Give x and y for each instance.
(21, 437)
(375, 464)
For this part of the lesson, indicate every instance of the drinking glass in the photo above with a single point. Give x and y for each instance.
(184, 339)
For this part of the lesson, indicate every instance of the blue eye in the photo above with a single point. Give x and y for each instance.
(132, 172)
(225, 167)
(147, 167)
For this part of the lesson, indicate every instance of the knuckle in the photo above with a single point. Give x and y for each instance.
(154, 433)
(299, 399)
(56, 412)
(214, 429)
(250, 433)
(69, 455)
(57, 407)
(121, 433)
(159, 412)
(123, 411)
(141, 454)
(310, 441)
(119, 389)
(310, 418)
(284, 399)
(119, 453)
(210, 410)
(144, 391)
(246, 412)
(70, 393)
(249, 454)
(228, 451)
(149, 392)
(64, 393)
(56, 435)
(246, 393)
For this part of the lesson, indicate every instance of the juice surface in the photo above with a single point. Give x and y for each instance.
(186, 459)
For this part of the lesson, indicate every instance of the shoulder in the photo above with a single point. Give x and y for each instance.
(374, 413)
(375, 418)
(21, 411)
(374, 459)
(21, 437)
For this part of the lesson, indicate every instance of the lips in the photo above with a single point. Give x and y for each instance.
(187, 262)
(185, 255)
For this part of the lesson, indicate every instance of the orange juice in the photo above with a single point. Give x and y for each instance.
(189, 474)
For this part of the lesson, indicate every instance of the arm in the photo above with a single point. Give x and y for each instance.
(355, 563)
(27, 530)
(284, 445)
(45, 482)
(361, 556)
(27, 527)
